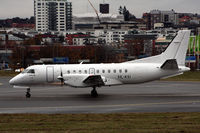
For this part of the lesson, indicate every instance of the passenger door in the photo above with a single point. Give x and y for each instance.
(50, 74)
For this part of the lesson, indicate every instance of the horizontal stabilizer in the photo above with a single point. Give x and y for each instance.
(170, 65)
(172, 76)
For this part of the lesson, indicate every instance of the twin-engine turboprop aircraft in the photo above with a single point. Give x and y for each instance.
(169, 63)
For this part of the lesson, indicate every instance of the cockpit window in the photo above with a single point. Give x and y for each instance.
(25, 71)
(29, 71)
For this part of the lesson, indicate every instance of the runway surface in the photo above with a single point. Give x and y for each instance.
(158, 96)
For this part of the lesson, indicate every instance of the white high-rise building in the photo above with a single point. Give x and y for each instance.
(53, 15)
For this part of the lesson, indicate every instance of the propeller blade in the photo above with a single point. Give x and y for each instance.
(61, 78)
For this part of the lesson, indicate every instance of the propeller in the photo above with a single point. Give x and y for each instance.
(61, 77)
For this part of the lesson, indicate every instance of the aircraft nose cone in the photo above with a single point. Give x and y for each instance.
(12, 81)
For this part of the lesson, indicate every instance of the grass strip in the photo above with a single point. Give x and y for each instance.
(187, 76)
(101, 123)
(8, 73)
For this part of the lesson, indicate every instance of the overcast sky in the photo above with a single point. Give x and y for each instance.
(24, 8)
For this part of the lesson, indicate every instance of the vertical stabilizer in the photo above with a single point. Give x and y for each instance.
(178, 48)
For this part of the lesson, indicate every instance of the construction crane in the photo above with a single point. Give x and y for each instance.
(95, 11)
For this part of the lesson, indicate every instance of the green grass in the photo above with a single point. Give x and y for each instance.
(187, 76)
(102, 123)
(8, 73)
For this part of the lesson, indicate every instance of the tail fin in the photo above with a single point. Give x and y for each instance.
(176, 50)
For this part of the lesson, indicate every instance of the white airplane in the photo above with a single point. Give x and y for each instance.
(169, 63)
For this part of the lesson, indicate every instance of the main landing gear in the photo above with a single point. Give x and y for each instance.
(94, 92)
(28, 93)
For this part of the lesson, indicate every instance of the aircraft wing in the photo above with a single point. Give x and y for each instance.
(83, 80)
(94, 80)
(86, 80)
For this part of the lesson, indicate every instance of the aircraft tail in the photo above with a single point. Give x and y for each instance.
(176, 50)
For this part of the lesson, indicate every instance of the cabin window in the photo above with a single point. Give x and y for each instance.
(108, 71)
(85, 71)
(68, 71)
(97, 71)
(74, 71)
(114, 71)
(103, 71)
(120, 70)
(79, 71)
(126, 71)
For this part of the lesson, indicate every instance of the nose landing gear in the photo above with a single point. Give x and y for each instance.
(28, 93)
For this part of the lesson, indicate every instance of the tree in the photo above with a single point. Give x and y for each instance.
(61, 39)
(120, 10)
(127, 15)
(124, 10)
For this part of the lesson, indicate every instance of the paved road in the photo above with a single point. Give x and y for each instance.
(158, 96)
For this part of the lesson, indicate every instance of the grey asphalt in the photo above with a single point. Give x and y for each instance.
(157, 96)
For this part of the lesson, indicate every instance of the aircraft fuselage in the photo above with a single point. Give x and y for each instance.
(111, 74)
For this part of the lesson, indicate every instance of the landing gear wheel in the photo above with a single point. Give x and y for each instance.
(94, 92)
(28, 94)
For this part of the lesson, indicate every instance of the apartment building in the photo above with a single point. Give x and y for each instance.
(166, 17)
(53, 15)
